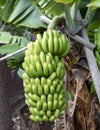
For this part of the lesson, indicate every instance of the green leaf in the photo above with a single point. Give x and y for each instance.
(55, 9)
(5, 37)
(21, 6)
(2, 2)
(20, 73)
(68, 1)
(83, 4)
(49, 7)
(24, 14)
(23, 42)
(33, 20)
(92, 90)
(68, 95)
(7, 10)
(9, 48)
(94, 25)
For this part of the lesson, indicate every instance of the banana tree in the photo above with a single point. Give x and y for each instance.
(65, 16)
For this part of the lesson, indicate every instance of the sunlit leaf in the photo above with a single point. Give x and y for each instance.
(68, 1)
(64, 1)
(94, 4)
(49, 7)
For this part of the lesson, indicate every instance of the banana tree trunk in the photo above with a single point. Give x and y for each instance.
(5, 108)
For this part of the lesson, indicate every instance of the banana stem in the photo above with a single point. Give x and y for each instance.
(90, 14)
(55, 21)
(70, 15)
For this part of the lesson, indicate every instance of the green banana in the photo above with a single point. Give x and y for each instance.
(39, 105)
(27, 103)
(55, 96)
(50, 105)
(36, 58)
(46, 89)
(49, 114)
(34, 97)
(34, 89)
(55, 104)
(28, 88)
(42, 57)
(43, 98)
(58, 88)
(31, 102)
(50, 68)
(37, 81)
(56, 45)
(45, 69)
(50, 45)
(55, 82)
(42, 113)
(32, 81)
(38, 118)
(32, 117)
(33, 72)
(40, 91)
(49, 82)
(37, 48)
(63, 107)
(49, 97)
(56, 113)
(43, 81)
(32, 61)
(66, 51)
(48, 58)
(44, 42)
(52, 76)
(25, 76)
(45, 118)
(39, 38)
(45, 106)
(60, 44)
(56, 58)
(52, 118)
(54, 65)
(52, 89)
(39, 69)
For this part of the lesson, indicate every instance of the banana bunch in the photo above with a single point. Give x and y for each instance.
(13, 63)
(44, 97)
(43, 77)
(97, 43)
